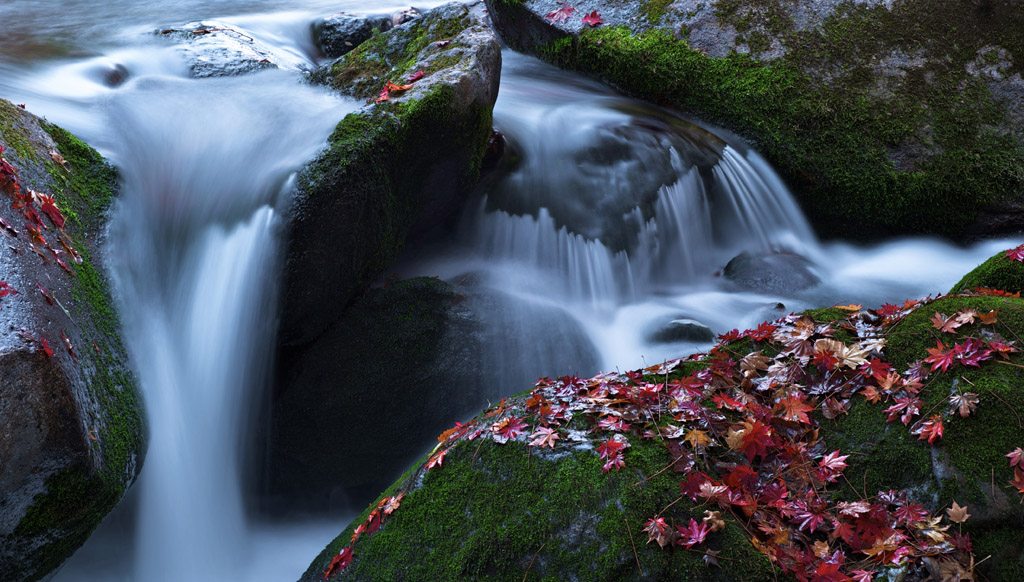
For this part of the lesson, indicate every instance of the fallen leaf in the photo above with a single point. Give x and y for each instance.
(593, 19)
(957, 514)
(560, 15)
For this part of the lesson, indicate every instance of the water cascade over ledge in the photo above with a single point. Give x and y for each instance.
(616, 220)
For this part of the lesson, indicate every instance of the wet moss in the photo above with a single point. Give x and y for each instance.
(391, 56)
(998, 272)
(495, 512)
(13, 131)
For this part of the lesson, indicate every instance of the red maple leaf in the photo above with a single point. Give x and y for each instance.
(911, 514)
(940, 357)
(50, 209)
(909, 406)
(694, 533)
(755, 440)
(610, 448)
(6, 289)
(46, 347)
(1016, 254)
(507, 429)
(794, 408)
(658, 531)
(339, 563)
(415, 77)
(560, 15)
(1016, 457)
(931, 429)
(763, 331)
(593, 19)
(436, 460)
(829, 572)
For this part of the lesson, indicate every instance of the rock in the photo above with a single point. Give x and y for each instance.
(998, 272)
(781, 273)
(682, 329)
(394, 167)
(215, 49)
(850, 102)
(494, 507)
(72, 435)
(381, 382)
(339, 33)
(416, 356)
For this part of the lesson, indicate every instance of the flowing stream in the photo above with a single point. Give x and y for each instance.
(617, 216)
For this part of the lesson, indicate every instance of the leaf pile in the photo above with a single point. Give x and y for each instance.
(50, 248)
(742, 426)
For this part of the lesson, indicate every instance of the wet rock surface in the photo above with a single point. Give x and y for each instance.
(782, 273)
(71, 425)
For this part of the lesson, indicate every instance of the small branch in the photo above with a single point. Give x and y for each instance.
(635, 555)
(1019, 424)
(527, 572)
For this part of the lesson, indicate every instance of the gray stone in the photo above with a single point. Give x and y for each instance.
(72, 435)
(215, 49)
(781, 273)
(682, 329)
(339, 33)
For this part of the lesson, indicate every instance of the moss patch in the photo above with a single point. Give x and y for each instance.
(501, 513)
(998, 272)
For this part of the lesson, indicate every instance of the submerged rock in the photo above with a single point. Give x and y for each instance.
(781, 273)
(394, 167)
(215, 49)
(71, 425)
(682, 329)
(850, 101)
(569, 480)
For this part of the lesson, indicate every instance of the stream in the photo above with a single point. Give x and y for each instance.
(615, 222)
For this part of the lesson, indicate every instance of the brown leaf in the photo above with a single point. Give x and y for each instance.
(957, 514)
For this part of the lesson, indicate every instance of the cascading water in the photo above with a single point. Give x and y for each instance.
(197, 263)
(613, 223)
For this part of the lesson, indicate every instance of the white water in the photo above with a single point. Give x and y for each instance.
(193, 245)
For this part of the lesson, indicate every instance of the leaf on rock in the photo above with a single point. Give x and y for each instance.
(560, 15)
(1016, 458)
(544, 437)
(659, 531)
(593, 19)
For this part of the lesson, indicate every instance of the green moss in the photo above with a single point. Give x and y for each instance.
(392, 55)
(998, 272)
(13, 132)
(917, 155)
(381, 155)
(495, 512)
(654, 10)
(91, 180)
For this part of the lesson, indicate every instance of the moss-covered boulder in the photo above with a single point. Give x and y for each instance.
(71, 425)
(883, 116)
(1003, 272)
(824, 445)
(394, 167)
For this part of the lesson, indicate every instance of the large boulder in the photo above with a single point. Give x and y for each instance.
(1001, 272)
(71, 426)
(394, 167)
(403, 363)
(215, 49)
(823, 446)
(883, 116)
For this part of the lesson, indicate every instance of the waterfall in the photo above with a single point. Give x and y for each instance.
(206, 168)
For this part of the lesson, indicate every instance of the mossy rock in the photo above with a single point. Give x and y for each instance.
(72, 434)
(883, 117)
(968, 465)
(493, 511)
(998, 272)
(394, 167)
(506, 512)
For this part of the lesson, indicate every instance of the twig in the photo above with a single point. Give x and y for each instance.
(527, 572)
(1005, 363)
(1019, 425)
(635, 555)
(663, 469)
